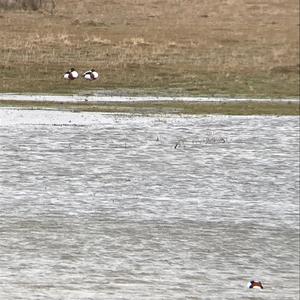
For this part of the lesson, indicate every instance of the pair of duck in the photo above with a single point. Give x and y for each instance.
(72, 74)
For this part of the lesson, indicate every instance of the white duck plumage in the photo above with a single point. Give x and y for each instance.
(71, 74)
(90, 75)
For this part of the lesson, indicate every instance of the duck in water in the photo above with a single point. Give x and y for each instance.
(255, 285)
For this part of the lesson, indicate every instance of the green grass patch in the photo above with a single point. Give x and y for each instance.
(165, 107)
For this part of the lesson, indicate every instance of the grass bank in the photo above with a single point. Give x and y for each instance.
(165, 107)
(230, 47)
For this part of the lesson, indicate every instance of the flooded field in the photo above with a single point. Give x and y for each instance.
(107, 206)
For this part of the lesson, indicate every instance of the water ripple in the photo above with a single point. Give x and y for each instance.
(113, 209)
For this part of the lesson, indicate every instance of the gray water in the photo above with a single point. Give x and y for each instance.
(96, 206)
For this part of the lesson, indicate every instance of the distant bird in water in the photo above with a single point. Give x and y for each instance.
(255, 285)
(90, 75)
(71, 74)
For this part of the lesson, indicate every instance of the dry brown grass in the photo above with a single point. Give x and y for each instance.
(231, 47)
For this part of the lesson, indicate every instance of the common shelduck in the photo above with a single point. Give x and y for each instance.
(90, 75)
(71, 74)
(255, 285)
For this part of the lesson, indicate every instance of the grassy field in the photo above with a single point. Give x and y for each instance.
(163, 107)
(176, 47)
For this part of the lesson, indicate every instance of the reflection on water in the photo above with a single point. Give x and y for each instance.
(100, 206)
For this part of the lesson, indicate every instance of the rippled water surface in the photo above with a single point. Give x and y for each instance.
(96, 206)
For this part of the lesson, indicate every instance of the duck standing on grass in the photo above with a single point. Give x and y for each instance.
(90, 75)
(71, 74)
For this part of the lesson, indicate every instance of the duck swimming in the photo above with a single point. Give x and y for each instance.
(255, 285)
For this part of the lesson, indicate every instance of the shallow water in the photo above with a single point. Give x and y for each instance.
(100, 97)
(99, 206)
